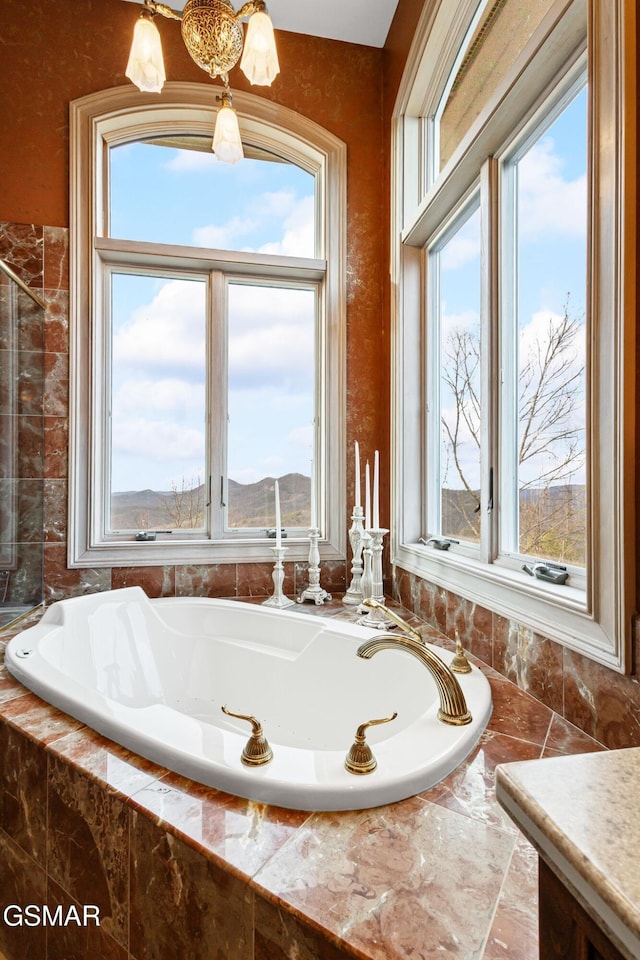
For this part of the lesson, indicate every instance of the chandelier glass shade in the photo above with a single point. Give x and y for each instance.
(146, 66)
(227, 143)
(214, 36)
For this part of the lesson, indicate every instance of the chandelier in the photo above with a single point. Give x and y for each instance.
(213, 34)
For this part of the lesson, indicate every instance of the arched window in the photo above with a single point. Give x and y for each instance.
(514, 318)
(208, 331)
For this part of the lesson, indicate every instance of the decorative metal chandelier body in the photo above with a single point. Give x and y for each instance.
(214, 36)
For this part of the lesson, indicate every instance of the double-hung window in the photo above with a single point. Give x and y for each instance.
(208, 332)
(511, 358)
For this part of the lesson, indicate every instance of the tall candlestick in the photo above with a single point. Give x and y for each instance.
(376, 490)
(357, 447)
(278, 522)
(314, 519)
(367, 497)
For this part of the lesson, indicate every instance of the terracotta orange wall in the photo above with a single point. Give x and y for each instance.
(54, 51)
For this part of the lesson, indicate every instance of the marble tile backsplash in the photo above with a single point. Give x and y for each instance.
(602, 703)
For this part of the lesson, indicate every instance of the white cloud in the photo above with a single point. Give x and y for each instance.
(224, 236)
(534, 338)
(465, 320)
(157, 440)
(279, 352)
(168, 332)
(463, 248)
(271, 337)
(298, 239)
(275, 203)
(549, 203)
(278, 214)
(166, 395)
(187, 161)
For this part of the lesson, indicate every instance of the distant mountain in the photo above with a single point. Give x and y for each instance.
(248, 505)
(253, 504)
(552, 519)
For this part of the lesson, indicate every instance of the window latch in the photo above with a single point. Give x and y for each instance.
(550, 572)
(438, 543)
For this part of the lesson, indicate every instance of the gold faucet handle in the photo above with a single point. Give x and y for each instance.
(459, 664)
(397, 619)
(257, 750)
(360, 759)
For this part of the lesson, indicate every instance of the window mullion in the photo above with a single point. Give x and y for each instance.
(490, 366)
(432, 396)
(216, 401)
(102, 409)
(507, 359)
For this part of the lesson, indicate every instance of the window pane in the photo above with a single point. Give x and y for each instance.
(175, 191)
(271, 403)
(158, 445)
(459, 385)
(551, 200)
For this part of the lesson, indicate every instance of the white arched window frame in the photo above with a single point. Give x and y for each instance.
(595, 620)
(122, 115)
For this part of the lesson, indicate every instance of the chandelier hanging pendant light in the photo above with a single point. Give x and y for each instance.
(213, 34)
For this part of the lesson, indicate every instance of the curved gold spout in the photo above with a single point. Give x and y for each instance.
(453, 706)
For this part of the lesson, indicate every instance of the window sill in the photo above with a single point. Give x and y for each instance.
(561, 613)
(177, 552)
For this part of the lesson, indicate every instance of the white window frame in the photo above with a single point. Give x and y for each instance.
(569, 87)
(596, 621)
(121, 115)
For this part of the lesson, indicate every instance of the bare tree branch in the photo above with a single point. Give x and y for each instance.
(551, 441)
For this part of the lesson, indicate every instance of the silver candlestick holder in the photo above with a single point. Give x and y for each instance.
(313, 590)
(354, 595)
(278, 599)
(375, 617)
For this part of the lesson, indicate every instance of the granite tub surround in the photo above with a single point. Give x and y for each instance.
(602, 703)
(179, 869)
(580, 812)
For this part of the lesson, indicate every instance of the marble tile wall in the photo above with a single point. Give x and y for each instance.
(21, 423)
(182, 870)
(601, 702)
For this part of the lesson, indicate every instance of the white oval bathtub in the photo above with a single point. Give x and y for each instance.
(153, 675)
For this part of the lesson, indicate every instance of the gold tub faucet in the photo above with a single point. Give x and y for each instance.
(453, 706)
(397, 619)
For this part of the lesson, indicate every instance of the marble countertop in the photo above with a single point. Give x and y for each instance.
(581, 814)
(444, 873)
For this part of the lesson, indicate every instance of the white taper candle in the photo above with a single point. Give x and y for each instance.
(376, 491)
(314, 518)
(367, 497)
(357, 448)
(278, 522)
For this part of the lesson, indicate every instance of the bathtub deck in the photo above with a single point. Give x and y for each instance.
(179, 869)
